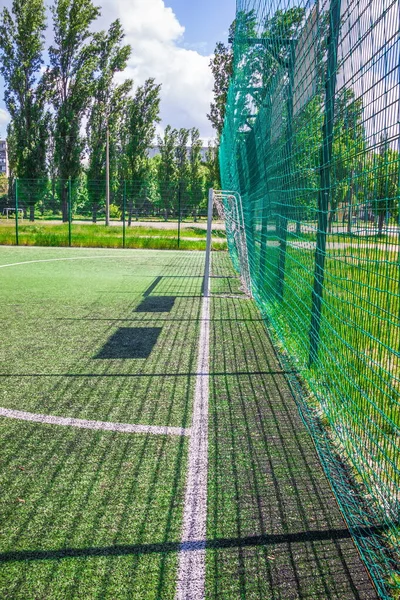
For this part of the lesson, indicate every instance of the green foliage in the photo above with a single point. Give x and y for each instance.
(3, 185)
(385, 180)
(222, 67)
(141, 116)
(70, 79)
(115, 212)
(21, 49)
(107, 107)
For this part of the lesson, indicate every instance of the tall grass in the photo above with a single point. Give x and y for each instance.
(99, 236)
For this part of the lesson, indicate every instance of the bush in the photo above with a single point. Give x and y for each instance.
(115, 212)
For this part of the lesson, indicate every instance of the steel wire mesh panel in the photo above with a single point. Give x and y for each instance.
(311, 144)
(55, 212)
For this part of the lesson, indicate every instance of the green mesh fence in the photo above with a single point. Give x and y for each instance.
(55, 212)
(311, 145)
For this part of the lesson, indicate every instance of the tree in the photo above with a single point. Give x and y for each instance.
(212, 166)
(21, 48)
(70, 81)
(107, 107)
(221, 66)
(182, 165)
(386, 189)
(142, 113)
(167, 169)
(196, 182)
(348, 148)
(141, 117)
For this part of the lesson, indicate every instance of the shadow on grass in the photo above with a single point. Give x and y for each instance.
(164, 547)
(130, 343)
(269, 497)
(71, 488)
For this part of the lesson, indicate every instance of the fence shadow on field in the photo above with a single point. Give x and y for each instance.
(269, 498)
(114, 501)
(87, 495)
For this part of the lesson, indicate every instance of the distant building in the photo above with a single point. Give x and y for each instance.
(155, 151)
(3, 158)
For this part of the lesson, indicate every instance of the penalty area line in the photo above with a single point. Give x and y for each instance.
(93, 425)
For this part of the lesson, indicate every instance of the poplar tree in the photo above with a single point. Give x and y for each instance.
(21, 49)
(71, 84)
(106, 110)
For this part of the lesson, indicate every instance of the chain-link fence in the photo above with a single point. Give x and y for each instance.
(311, 144)
(63, 212)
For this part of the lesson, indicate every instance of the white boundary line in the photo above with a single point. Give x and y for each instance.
(45, 260)
(192, 552)
(94, 425)
(117, 254)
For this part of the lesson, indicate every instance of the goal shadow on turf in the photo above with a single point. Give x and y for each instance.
(130, 343)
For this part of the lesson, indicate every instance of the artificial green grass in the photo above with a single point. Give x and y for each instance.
(269, 500)
(59, 315)
(89, 514)
(42, 233)
(264, 476)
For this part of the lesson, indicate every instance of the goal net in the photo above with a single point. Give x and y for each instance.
(230, 210)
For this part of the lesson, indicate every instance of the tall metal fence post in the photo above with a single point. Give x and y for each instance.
(124, 215)
(69, 212)
(16, 213)
(325, 182)
(283, 217)
(206, 287)
(179, 212)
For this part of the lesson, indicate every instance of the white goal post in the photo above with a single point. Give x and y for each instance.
(230, 210)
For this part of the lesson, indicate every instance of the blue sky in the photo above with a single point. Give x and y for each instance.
(206, 21)
(173, 41)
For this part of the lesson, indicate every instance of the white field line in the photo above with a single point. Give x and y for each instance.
(119, 255)
(94, 425)
(45, 260)
(192, 552)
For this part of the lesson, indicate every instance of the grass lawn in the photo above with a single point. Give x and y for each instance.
(42, 233)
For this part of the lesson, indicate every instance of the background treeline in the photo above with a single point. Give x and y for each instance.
(63, 108)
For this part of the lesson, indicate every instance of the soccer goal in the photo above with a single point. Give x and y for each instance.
(230, 210)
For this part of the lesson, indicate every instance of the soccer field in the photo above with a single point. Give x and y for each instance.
(150, 444)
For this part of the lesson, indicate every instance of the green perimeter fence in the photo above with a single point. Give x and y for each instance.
(311, 143)
(55, 212)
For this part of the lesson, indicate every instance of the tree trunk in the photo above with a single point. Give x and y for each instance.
(64, 204)
(95, 208)
(381, 220)
(32, 212)
(130, 212)
(332, 213)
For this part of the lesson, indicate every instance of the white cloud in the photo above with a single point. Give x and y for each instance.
(4, 121)
(154, 32)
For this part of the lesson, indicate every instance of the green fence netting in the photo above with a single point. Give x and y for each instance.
(55, 212)
(311, 143)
